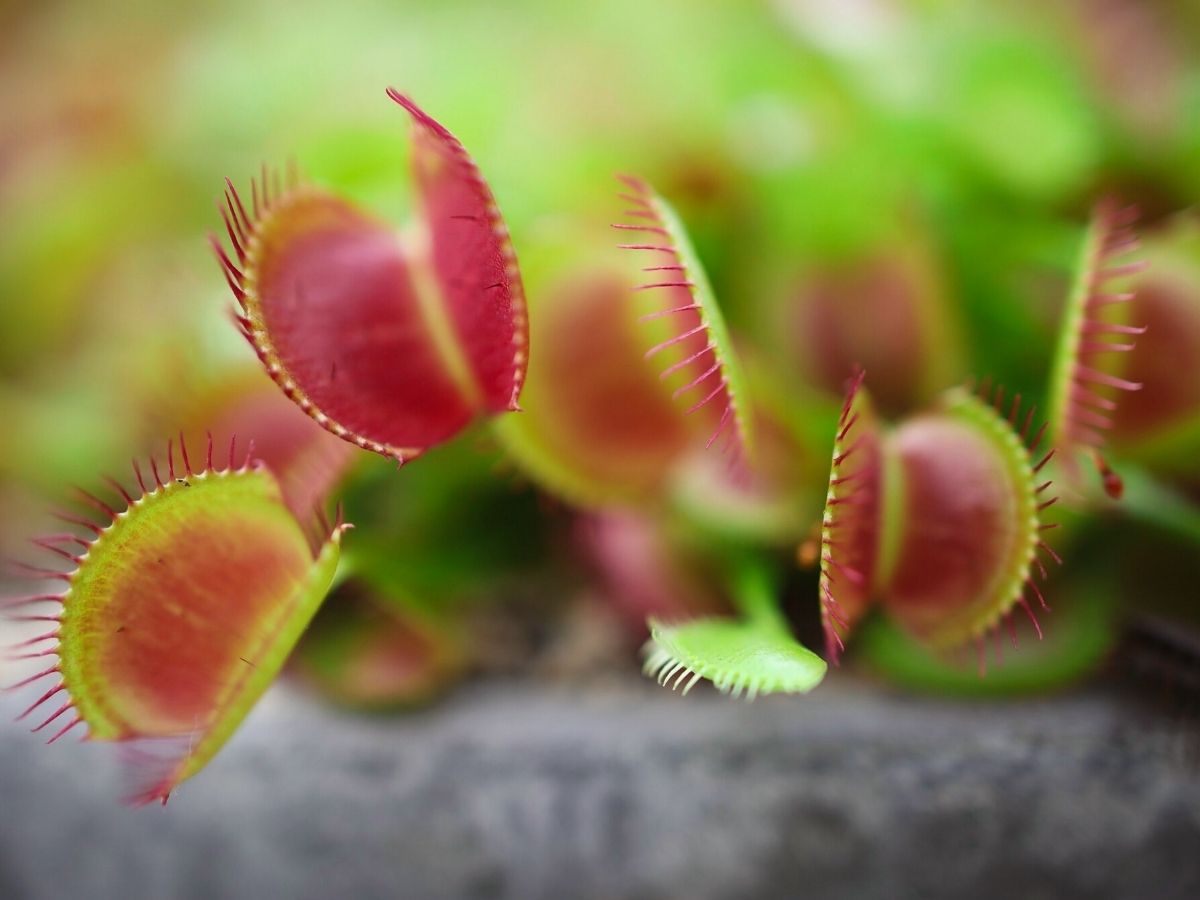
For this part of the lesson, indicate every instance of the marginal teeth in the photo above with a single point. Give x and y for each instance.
(679, 679)
(667, 672)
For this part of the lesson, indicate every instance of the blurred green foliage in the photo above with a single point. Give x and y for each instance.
(793, 135)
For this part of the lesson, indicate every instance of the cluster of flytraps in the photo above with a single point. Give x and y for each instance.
(181, 606)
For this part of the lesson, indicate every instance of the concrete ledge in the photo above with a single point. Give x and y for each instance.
(624, 791)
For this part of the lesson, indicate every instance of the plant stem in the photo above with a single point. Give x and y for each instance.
(1148, 500)
(754, 593)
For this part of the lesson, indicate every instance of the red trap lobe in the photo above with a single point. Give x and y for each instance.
(177, 613)
(392, 342)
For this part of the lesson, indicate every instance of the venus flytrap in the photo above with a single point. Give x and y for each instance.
(394, 342)
(1120, 377)
(599, 429)
(589, 373)
(943, 527)
(1159, 426)
(1134, 387)
(967, 529)
(756, 653)
(752, 655)
(632, 380)
(698, 345)
(1087, 378)
(178, 613)
(886, 309)
(850, 551)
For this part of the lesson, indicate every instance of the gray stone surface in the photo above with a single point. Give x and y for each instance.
(623, 791)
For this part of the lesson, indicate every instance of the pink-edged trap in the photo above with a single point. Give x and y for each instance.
(1086, 381)
(392, 342)
(601, 430)
(696, 342)
(182, 602)
(851, 526)
(964, 520)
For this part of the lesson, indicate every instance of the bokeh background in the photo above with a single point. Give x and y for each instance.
(792, 134)
(814, 147)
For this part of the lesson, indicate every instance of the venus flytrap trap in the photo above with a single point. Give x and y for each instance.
(636, 400)
(752, 655)
(1093, 383)
(698, 344)
(944, 523)
(1124, 374)
(599, 429)
(851, 525)
(178, 613)
(745, 480)
(1159, 426)
(968, 530)
(886, 309)
(937, 521)
(631, 379)
(1087, 371)
(394, 342)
